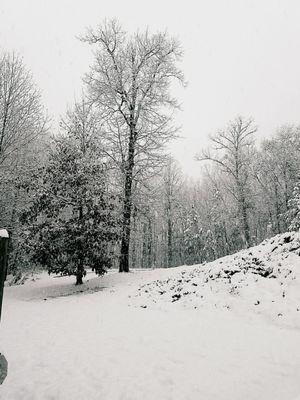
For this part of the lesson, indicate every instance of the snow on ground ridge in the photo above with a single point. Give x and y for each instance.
(264, 279)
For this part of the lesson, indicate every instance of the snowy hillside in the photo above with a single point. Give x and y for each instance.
(263, 279)
(170, 334)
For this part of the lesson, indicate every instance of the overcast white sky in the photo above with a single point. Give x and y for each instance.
(241, 56)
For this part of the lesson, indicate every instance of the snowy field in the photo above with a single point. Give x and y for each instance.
(227, 330)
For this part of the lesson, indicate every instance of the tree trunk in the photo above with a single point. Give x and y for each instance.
(150, 244)
(3, 129)
(277, 209)
(134, 244)
(242, 205)
(170, 240)
(79, 276)
(80, 267)
(227, 246)
(169, 229)
(147, 244)
(127, 205)
(145, 247)
(245, 224)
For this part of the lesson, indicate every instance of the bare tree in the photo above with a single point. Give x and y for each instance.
(22, 118)
(276, 170)
(172, 179)
(83, 123)
(130, 82)
(231, 151)
(22, 141)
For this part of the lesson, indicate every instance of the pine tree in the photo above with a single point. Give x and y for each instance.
(71, 222)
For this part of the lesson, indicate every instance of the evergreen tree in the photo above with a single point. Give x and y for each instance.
(71, 221)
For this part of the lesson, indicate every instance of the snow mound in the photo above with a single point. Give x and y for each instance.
(264, 279)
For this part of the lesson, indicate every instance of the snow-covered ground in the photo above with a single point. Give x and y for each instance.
(226, 330)
(263, 280)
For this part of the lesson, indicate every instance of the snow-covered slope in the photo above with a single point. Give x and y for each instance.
(264, 279)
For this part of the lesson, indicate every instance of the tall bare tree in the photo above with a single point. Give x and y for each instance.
(22, 143)
(231, 151)
(130, 82)
(172, 179)
(22, 118)
(276, 171)
(22, 129)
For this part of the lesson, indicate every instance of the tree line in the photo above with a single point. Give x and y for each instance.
(103, 192)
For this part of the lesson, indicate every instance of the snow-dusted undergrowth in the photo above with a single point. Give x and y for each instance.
(264, 279)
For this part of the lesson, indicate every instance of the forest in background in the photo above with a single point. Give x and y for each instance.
(103, 191)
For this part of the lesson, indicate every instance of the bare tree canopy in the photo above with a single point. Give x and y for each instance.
(130, 82)
(22, 117)
(231, 151)
(83, 123)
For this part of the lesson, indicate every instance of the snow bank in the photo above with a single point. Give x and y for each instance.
(264, 279)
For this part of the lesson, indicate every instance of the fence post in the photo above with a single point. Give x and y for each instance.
(3, 269)
(3, 261)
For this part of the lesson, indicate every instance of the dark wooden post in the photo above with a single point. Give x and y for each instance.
(3, 267)
(3, 261)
